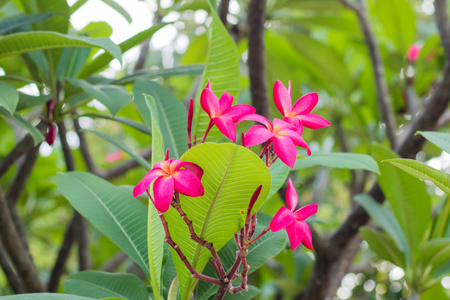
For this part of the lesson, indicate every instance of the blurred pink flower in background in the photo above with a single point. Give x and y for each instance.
(115, 156)
(413, 52)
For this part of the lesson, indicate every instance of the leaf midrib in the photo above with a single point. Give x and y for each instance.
(100, 287)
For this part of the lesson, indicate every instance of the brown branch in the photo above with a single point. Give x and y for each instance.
(223, 11)
(70, 164)
(84, 147)
(83, 245)
(124, 167)
(19, 255)
(63, 254)
(443, 24)
(113, 263)
(20, 149)
(14, 282)
(383, 97)
(256, 59)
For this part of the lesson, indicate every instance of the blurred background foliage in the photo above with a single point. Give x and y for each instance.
(315, 44)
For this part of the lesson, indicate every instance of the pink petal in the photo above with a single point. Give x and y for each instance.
(177, 164)
(282, 219)
(307, 237)
(285, 149)
(282, 98)
(296, 122)
(163, 193)
(295, 233)
(291, 196)
(257, 118)
(238, 111)
(305, 104)
(190, 115)
(306, 211)
(256, 135)
(296, 138)
(208, 85)
(279, 125)
(225, 102)
(413, 52)
(187, 183)
(209, 103)
(314, 121)
(144, 184)
(226, 126)
(166, 156)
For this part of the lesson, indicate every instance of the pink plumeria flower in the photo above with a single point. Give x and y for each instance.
(300, 114)
(413, 52)
(114, 156)
(169, 177)
(222, 114)
(283, 135)
(294, 221)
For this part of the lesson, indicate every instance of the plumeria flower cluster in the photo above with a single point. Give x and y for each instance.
(171, 177)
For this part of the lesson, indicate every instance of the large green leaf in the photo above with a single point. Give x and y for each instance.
(384, 246)
(435, 253)
(442, 140)
(155, 233)
(6, 25)
(279, 172)
(387, 221)
(37, 40)
(172, 114)
(9, 97)
(71, 61)
(60, 9)
(112, 210)
(441, 226)
(339, 160)
(113, 97)
(114, 5)
(222, 70)
(122, 146)
(24, 124)
(98, 285)
(45, 296)
(268, 246)
(102, 61)
(422, 171)
(231, 175)
(407, 196)
(398, 20)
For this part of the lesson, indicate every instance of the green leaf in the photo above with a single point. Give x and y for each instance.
(442, 140)
(437, 291)
(27, 126)
(37, 40)
(155, 234)
(71, 61)
(442, 221)
(58, 22)
(339, 160)
(112, 210)
(173, 290)
(279, 172)
(384, 246)
(268, 246)
(9, 97)
(114, 5)
(113, 97)
(9, 24)
(387, 221)
(77, 5)
(176, 71)
(122, 146)
(222, 70)
(435, 253)
(27, 101)
(45, 296)
(398, 20)
(407, 196)
(102, 61)
(321, 60)
(98, 285)
(422, 171)
(171, 111)
(231, 175)
(136, 125)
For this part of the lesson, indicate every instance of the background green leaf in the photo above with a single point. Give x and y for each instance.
(99, 285)
(27, 126)
(9, 97)
(384, 246)
(442, 140)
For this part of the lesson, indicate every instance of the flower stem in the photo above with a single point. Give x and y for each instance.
(210, 125)
(263, 150)
(260, 235)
